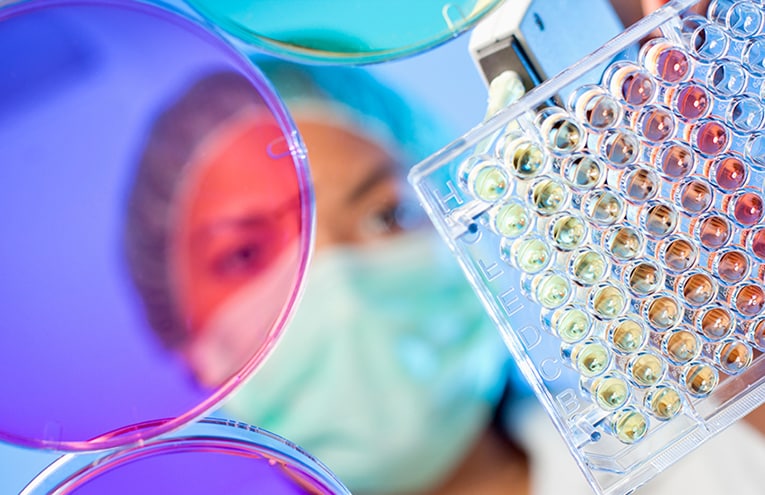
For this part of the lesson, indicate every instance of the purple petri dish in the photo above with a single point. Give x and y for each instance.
(146, 272)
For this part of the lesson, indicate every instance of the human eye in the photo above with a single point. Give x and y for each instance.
(382, 221)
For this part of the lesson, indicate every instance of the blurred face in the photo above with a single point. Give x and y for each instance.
(238, 211)
(358, 186)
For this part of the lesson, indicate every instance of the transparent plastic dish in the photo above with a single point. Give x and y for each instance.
(211, 456)
(157, 218)
(618, 238)
(344, 31)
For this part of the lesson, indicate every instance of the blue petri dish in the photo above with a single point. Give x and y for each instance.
(147, 268)
(344, 31)
(211, 456)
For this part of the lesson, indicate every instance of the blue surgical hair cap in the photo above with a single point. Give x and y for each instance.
(359, 100)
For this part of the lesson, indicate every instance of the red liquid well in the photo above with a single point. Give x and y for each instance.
(730, 173)
(748, 209)
(712, 138)
(758, 243)
(693, 102)
(672, 65)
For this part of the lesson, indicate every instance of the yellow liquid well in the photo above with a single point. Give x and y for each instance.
(665, 403)
(628, 336)
(511, 220)
(609, 302)
(647, 369)
(630, 426)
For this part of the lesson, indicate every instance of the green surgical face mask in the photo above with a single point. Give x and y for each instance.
(388, 371)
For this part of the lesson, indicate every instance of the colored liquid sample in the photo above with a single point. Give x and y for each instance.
(645, 278)
(748, 209)
(629, 425)
(668, 63)
(609, 302)
(548, 197)
(646, 369)
(699, 289)
(700, 379)
(676, 161)
(693, 102)
(525, 159)
(695, 197)
(659, 220)
(716, 323)
(640, 185)
(749, 300)
(611, 392)
(757, 243)
(664, 313)
(568, 232)
(583, 172)
(627, 336)
(714, 232)
(624, 243)
(711, 138)
(489, 183)
(531, 255)
(733, 356)
(588, 267)
(709, 42)
(681, 346)
(552, 290)
(599, 111)
(732, 266)
(591, 359)
(656, 124)
(511, 220)
(620, 148)
(603, 208)
(664, 402)
(727, 78)
(680, 255)
(633, 86)
(571, 324)
(562, 134)
(756, 334)
(729, 173)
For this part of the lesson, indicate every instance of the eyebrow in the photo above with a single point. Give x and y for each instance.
(383, 171)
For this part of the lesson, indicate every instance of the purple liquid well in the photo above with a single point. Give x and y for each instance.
(692, 102)
(671, 64)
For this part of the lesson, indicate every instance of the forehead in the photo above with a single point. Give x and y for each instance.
(339, 157)
(233, 169)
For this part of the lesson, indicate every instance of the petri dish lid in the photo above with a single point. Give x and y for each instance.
(210, 456)
(157, 221)
(344, 31)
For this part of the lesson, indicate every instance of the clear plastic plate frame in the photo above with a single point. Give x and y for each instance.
(617, 237)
